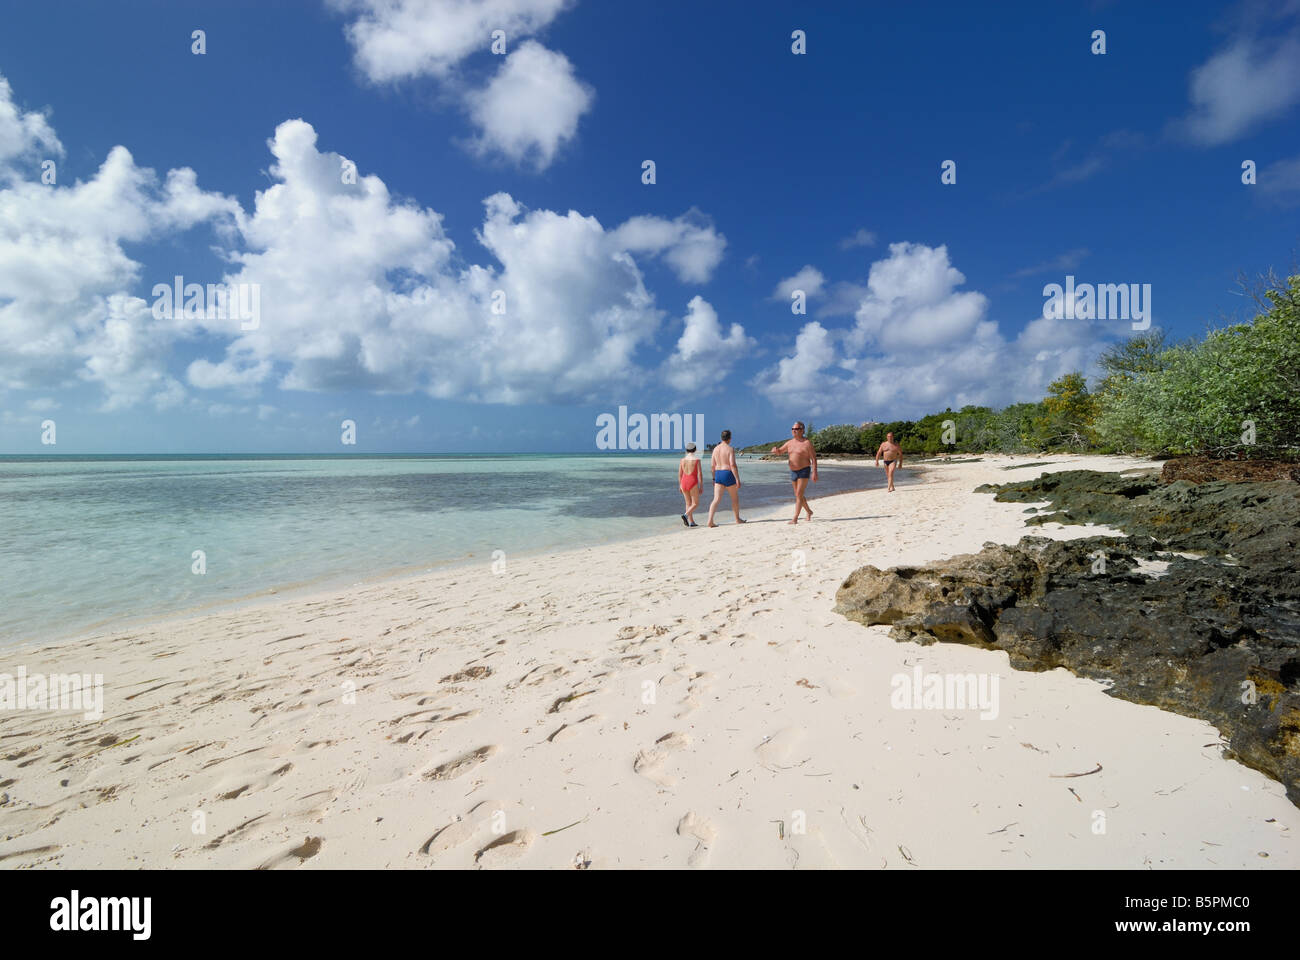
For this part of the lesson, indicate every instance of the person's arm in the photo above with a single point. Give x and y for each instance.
(780, 449)
(735, 467)
(814, 462)
(878, 449)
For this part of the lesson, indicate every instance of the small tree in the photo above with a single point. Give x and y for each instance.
(1069, 411)
(927, 433)
(840, 438)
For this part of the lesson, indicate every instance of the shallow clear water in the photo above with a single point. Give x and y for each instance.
(88, 542)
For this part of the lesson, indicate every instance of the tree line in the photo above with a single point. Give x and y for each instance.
(1233, 393)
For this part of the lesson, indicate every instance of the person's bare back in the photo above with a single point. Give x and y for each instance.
(726, 476)
(724, 458)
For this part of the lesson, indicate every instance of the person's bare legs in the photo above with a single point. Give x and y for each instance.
(717, 499)
(692, 503)
(890, 467)
(800, 501)
(735, 502)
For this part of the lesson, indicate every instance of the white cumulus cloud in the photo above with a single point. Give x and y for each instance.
(919, 343)
(531, 107)
(397, 39)
(359, 290)
(23, 132)
(704, 355)
(66, 309)
(525, 112)
(689, 243)
(356, 288)
(809, 279)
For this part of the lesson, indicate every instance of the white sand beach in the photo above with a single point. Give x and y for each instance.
(686, 700)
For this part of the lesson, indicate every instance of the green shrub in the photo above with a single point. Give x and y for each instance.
(1203, 397)
(840, 438)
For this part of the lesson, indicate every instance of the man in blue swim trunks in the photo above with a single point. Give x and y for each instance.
(803, 466)
(726, 476)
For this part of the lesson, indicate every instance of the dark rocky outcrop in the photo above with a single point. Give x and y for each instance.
(1215, 635)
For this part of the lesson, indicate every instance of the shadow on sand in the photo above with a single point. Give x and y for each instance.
(816, 520)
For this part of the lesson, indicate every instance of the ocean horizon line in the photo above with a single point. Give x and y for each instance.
(336, 456)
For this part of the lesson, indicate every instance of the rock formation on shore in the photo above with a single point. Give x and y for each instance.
(1196, 612)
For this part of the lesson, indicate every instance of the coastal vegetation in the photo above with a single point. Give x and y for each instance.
(1234, 393)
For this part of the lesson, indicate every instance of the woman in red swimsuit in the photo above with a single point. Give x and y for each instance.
(689, 480)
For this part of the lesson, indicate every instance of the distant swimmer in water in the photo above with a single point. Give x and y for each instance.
(803, 467)
(689, 480)
(893, 455)
(726, 476)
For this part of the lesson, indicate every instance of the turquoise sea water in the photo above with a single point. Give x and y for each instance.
(88, 542)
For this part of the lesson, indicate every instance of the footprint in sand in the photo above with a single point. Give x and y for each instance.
(705, 835)
(296, 855)
(776, 749)
(234, 831)
(565, 702)
(312, 806)
(461, 765)
(41, 853)
(700, 683)
(839, 690)
(505, 850)
(255, 784)
(809, 850)
(567, 731)
(469, 673)
(462, 829)
(650, 763)
(538, 675)
(452, 835)
(463, 715)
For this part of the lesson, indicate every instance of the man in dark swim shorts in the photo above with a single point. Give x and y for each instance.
(893, 455)
(803, 466)
(726, 476)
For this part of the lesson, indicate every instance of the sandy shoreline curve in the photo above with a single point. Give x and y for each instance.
(329, 584)
(687, 699)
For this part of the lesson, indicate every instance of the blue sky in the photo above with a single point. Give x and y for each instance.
(522, 173)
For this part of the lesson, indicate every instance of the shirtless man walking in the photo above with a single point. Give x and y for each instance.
(726, 476)
(803, 467)
(893, 455)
